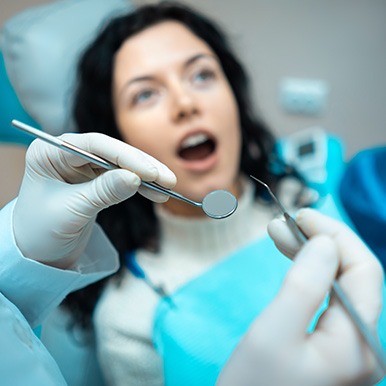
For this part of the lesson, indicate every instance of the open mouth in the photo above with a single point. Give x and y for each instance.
(197, 147)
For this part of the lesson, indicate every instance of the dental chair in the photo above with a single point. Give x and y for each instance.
(363, 194)
(13, 143)
(39, 50)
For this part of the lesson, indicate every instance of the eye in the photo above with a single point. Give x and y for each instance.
(203, 76)
(144, 96)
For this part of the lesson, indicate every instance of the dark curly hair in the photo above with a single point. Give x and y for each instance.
(93, 111)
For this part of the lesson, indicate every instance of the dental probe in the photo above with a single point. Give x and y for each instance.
(217, 204)
(336, 290)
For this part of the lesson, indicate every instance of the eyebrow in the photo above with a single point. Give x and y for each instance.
(188, 63)
(197, 57)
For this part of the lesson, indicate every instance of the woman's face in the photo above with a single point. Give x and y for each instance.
(172, 100)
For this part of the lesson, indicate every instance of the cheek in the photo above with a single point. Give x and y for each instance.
(225, 105)
(233, 136)
(230, 120)
(141, 131)
(152, 142)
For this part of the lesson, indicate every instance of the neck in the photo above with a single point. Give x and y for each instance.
(209, 237)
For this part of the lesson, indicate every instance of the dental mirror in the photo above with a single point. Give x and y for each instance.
(217, 204)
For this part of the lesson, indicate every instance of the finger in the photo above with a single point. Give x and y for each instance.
(152, 194)
(313, 223)
(357, 263)
(44, 160)
(121, 154)
(304, 288)
(283, 237)
(108, 189)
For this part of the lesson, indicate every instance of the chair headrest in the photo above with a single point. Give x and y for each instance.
(41, 47)
(11, 108)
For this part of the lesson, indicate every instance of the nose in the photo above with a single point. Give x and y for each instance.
(184, 104)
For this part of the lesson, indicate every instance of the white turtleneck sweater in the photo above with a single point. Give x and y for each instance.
(124, 315)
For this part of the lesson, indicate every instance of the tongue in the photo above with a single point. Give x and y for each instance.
(198, 152)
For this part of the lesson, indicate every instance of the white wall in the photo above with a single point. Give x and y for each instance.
(342, 42)
(8, 8)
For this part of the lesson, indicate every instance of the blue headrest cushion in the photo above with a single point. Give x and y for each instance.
(11, 108)
(363, 194)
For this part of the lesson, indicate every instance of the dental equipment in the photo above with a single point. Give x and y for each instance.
(336, 290)
(139, 273)
(217, 204)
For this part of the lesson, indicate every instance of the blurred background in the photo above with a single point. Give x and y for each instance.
(311, 62)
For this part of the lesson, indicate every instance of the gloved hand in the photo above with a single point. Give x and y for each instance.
(61, 194)
(277, 349)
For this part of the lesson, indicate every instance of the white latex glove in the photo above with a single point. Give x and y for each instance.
(277, 349)
(61, 194)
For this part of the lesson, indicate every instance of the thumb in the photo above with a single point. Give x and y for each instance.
(304, 288)
(108, 189)
(283, 237)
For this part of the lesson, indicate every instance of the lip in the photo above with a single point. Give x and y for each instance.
(204, 165)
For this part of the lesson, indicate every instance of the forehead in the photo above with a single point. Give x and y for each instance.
(158, 46)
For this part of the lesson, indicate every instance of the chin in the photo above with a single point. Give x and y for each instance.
(200, 190)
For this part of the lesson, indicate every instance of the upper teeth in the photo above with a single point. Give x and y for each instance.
(194, 140)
